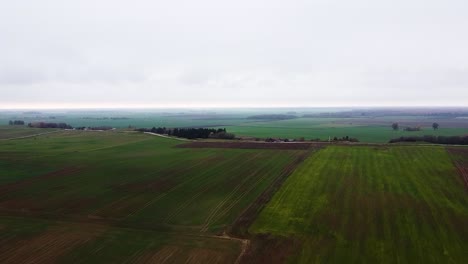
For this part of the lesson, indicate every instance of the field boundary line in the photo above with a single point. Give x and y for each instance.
(246, 192)
(219, 211)
(28, 136)
(256, 206)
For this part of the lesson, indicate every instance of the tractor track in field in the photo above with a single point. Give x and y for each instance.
(152, 201)
(218, 214)
(245, 244)
(215, 210)
(203, 188)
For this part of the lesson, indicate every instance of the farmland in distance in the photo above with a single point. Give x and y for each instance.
(367, 125)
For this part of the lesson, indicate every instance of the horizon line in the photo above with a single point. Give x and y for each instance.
(208, 106)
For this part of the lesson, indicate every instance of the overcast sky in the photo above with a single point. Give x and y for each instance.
(108, 53)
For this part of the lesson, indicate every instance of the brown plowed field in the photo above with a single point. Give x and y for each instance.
(248, 145)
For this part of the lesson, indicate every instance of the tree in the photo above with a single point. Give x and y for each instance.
(435, 126)
(395, 126)
(16, 122)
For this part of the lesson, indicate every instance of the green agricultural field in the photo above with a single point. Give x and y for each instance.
(126, 181)
(323, 128)
(82, 196)
(399, 204)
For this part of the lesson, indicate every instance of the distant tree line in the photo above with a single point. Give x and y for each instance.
(448, 140)
(396, 126)
(272, 117)
(94, 128)
(66, 126)
(346, 138)
(50, 125)
(190, 133)
(16, 123)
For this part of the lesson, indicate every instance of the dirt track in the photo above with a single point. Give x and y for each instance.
(163, 136)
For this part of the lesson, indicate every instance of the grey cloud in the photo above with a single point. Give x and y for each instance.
(214, 52)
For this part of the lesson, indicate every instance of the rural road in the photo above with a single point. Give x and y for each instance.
(159, 135)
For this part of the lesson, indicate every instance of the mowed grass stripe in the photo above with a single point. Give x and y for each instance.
(372, 204)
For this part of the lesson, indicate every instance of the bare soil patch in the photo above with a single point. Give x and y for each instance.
(249, 145)
(270, 249)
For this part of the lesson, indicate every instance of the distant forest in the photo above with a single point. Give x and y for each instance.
(16, 122)
(190, 133)
(50, 125)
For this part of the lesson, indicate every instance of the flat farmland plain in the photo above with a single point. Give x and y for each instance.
(313, 128)
(399, 204)
(124, 185)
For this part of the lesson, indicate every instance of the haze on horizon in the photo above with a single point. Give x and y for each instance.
(66, 54)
